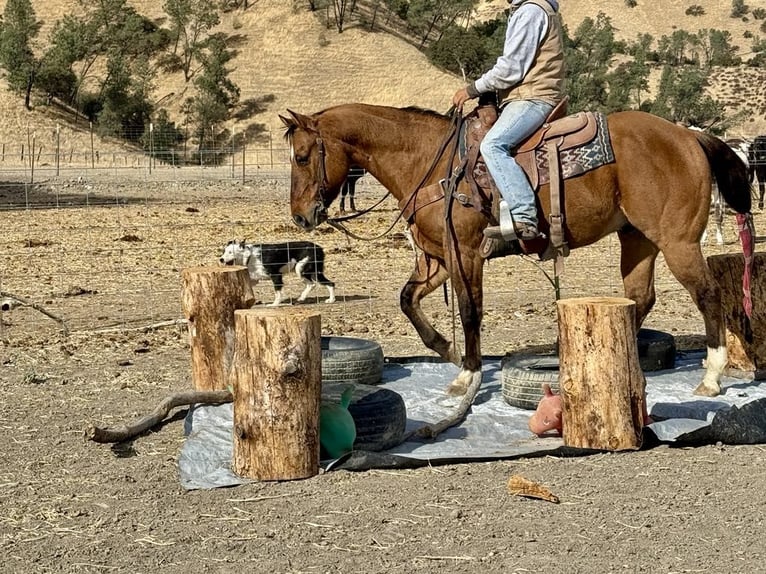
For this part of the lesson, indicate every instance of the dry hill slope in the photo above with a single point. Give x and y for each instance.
(289, 59)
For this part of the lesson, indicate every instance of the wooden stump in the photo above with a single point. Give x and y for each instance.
(276, 378)
(600, 378)
(745, 343)
(209, 298)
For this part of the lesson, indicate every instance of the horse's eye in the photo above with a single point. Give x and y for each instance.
(302, 159)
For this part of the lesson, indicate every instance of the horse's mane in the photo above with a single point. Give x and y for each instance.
(334, 109)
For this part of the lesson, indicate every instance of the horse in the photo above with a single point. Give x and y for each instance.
(742, 148)
(349, 188)
(655, 196)
(757, 158)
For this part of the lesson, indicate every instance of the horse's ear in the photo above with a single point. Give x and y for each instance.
(289, 123)
(298, 120)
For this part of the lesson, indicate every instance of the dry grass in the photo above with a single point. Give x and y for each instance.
(289, 59)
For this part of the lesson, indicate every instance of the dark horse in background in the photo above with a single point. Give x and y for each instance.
(655, 196)
(348, 189)
(756, 156)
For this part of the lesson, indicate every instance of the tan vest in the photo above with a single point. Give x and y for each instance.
(545, 79)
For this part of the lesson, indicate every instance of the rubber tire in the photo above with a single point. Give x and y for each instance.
(523, 375)
(351, 360)
(656, 350)
(380, 415)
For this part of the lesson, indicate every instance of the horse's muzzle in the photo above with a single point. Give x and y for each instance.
(313, 219)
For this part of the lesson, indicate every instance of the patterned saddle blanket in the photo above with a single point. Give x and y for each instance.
(582, 141)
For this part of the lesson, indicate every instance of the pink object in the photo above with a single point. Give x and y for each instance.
(548, 420)
(547, 417)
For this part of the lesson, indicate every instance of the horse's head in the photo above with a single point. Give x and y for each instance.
(318, 168)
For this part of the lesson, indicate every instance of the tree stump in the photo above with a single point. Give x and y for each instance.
(600, 378)
(209, 297)
(747, 353)
(276, 378)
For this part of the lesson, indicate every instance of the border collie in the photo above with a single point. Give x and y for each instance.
(273, 260)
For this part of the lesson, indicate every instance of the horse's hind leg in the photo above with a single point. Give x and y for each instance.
(637, 259)
(688, 265)
(427, 276)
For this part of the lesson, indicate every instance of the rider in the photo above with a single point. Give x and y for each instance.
(529, 77)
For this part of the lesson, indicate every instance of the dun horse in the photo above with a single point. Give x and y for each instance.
(655, 195)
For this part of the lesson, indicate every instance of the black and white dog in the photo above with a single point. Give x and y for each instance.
(273, 260)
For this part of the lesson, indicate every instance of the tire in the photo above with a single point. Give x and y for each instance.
(523, 375)
(351, 360)
(656, 350)
(380, 415)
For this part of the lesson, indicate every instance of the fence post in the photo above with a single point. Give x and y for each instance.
(58, 149)
(32, 162)
(151, 146)
(243, 161)
(92, 151)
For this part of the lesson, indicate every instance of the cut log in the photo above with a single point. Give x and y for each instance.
(276, 377)
(747, 354)
(600, 378)
(209, 297)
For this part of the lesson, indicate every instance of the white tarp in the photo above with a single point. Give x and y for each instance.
(494, 429)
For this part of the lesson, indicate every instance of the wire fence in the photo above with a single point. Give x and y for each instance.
(102, 248)
(42, 158)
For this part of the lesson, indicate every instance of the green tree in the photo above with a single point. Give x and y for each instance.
(677, 49)
(717, 49)
(191, 22)
(681, 97)
(589, 54)
(161, 137)
(739, 8)
(427, 16)
(468, 52)
(216, 93)
(19, 29)
(107, 29)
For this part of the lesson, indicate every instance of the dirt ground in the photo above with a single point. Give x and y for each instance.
(106, 258)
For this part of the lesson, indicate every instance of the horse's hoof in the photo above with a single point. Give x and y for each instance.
(457, 388)
(703, 390)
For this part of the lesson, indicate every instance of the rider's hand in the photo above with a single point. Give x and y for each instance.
(460, 97)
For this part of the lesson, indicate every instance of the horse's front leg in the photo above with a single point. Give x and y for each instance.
(467, 275)
(427, 276)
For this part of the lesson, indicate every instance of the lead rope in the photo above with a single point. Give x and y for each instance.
(451, 181)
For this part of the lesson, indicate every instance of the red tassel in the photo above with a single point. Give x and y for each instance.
(746, 230)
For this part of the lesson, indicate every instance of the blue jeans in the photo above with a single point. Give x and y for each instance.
(518, 120)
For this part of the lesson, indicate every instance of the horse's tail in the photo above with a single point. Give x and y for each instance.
(730, 172)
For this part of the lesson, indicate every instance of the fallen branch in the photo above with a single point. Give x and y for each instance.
(43, 310)
(432, 430)
(125, 432)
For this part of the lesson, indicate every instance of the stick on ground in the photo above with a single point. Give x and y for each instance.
(35, 306)
(128, 431)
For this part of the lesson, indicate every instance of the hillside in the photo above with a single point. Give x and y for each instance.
(289, 59)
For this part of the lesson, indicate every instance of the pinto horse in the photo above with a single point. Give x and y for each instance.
(655, 196)
(757, 158)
